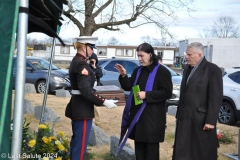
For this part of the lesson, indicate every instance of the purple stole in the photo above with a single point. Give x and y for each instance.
(124, 127)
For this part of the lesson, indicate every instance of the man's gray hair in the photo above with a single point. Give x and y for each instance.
(196, 45)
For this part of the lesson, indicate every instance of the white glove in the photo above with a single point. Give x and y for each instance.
(109, 103)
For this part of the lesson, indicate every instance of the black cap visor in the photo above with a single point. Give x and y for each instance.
(91, 45)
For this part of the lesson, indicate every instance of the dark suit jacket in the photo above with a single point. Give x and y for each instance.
(200, 101)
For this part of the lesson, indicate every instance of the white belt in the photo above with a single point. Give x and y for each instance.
(77, 92)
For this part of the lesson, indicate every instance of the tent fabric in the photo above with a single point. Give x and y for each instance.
(45, 16)
(8, 27)
(43, 27)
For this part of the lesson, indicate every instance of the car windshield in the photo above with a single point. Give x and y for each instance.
(41, 64)
(171, 71)
(100, 62)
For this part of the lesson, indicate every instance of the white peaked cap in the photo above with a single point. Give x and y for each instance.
(87, 39)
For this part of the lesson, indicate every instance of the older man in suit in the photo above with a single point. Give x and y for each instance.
(200, 100)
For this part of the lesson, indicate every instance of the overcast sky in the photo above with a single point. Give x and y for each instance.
(187, 27)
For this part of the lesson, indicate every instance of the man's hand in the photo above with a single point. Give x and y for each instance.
(208, 126)
(109, 103)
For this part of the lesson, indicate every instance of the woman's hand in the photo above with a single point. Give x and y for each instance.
(141, 95)
(92, 62)
(121, 70)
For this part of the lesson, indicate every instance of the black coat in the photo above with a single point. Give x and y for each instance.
(82, 78)
(150, 127)
(98, 74)
(200, 101)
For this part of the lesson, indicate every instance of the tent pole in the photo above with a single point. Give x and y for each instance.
(239, 144)
(20, 83)
(43, 114)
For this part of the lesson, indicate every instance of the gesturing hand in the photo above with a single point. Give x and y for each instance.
(121, 70)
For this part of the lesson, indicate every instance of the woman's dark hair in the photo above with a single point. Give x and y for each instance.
(147, 48)
(94, 56)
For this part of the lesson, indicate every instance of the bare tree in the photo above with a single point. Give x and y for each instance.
(32, 41)
(157, 42)
(205, 33)
(91, 15)
(113, 40)
(146, 39)
(223, 27)
(48, 40)
(153, 41)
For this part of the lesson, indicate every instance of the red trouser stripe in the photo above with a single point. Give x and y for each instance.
(83, 139)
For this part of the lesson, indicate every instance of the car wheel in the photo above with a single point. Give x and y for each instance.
(226, 114)
(41, 86)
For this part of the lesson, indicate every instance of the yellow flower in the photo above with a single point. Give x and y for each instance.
(60, 147)
(32, 143)
(42, 126)
(57, 142)
(45, 158)
(59, 158)
(45, 139)
(61, 133)
(50, 139)
(66, 150)
(54, 138)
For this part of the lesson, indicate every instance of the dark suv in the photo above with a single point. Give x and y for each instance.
(37, 73)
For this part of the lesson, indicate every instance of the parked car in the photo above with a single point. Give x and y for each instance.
(110, 74)
(184, 63)
(37, 73)
(230, 109)
(230, 70)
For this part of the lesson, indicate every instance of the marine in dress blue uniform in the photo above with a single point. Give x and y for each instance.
(80, 109)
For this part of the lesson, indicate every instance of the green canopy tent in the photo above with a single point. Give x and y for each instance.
(28, 16)
(45, 16)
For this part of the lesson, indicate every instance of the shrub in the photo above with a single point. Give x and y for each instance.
(44, 143)
(224, 137)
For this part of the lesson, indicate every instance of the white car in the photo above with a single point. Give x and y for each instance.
(230, 109)
(231, 70)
